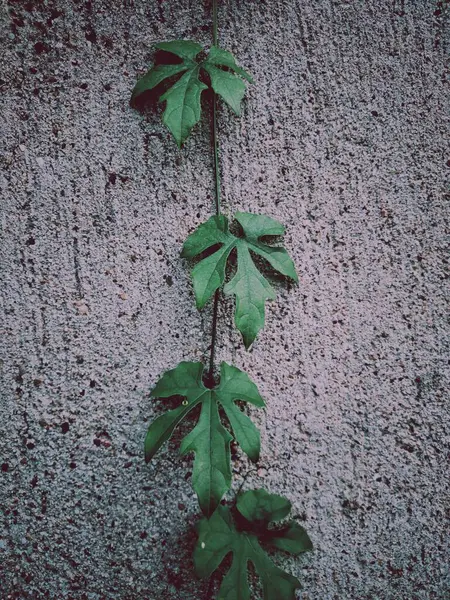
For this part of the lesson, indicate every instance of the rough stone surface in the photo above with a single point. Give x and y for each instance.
(343, 138)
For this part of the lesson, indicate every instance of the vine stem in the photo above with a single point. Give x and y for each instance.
(215, 143)
(214, 4)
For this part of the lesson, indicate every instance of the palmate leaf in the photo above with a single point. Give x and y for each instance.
(221, 534)
(183, 106)
(209, 440)
(248, 285)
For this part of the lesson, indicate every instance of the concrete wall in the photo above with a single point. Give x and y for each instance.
(342, 138)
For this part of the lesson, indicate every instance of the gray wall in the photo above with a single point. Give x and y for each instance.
(342, 138)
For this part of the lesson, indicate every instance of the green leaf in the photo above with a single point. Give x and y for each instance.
(218, 536)
(213, 231)
(237, 385)
(210, 442)
(160, 431)
(155, 76)
(209, 439)
(294, 539)
(257, 226)
(251, 290)
(183, 107)
(227, 85)
(182, 48)
(248, 285)
(259, 505)
(223, 58)
(183, 98)
(209, 274)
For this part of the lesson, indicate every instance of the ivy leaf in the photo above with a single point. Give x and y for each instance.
(183, 107)
(155, 76)
(209, 440)
(248, 285)
(183, 98)
(293, 539)
(259, 505)
(225, 83)
(221, 534)
(222, 58)
(184, 49)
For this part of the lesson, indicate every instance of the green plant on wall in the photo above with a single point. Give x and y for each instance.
(183, 97)
(240, 530)
(209, 439)
(245, 527)
(248, 285)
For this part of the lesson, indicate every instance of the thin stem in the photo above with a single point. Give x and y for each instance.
(215, 143)
(213, 338)
(215, 22)
(216, 153)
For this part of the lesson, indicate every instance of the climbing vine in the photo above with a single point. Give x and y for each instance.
(179, 78)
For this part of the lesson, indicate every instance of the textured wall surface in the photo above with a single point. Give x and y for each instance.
(343, 139)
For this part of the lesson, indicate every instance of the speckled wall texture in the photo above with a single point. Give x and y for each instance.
(343, 138)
